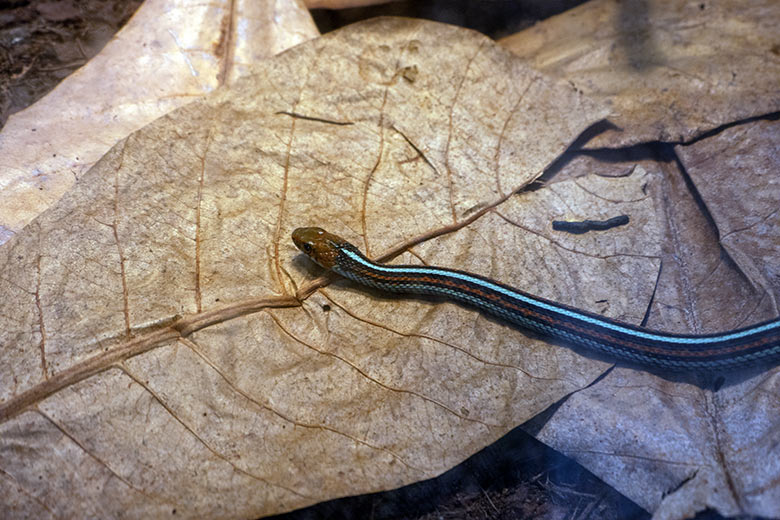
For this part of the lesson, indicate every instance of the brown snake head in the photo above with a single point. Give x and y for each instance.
(318, 244)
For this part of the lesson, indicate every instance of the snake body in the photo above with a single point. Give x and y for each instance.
(753, 345)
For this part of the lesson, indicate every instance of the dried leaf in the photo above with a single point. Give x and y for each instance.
(168, 54)
(163, 346)
(736, 174)
(701, 448)
(671, 70)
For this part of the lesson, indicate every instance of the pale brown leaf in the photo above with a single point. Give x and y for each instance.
(673, 447)
(736, 174)
(157, 357)
(168, 54)
(673, 71)
(670, 70)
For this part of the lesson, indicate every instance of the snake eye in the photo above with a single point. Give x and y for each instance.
(307, 248)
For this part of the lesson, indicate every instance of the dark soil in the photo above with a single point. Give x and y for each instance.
(514, 478)
(42, 42)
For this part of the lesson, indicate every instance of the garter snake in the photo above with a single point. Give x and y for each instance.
(756, 344)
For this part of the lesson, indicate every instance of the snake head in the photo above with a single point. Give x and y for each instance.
(318, 244)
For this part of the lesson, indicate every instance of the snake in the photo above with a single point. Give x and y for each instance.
(755, 345)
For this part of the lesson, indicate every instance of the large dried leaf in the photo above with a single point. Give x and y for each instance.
(163, 349)
(168, 54)
(736, 174)
(670, 70)
(701, 448)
